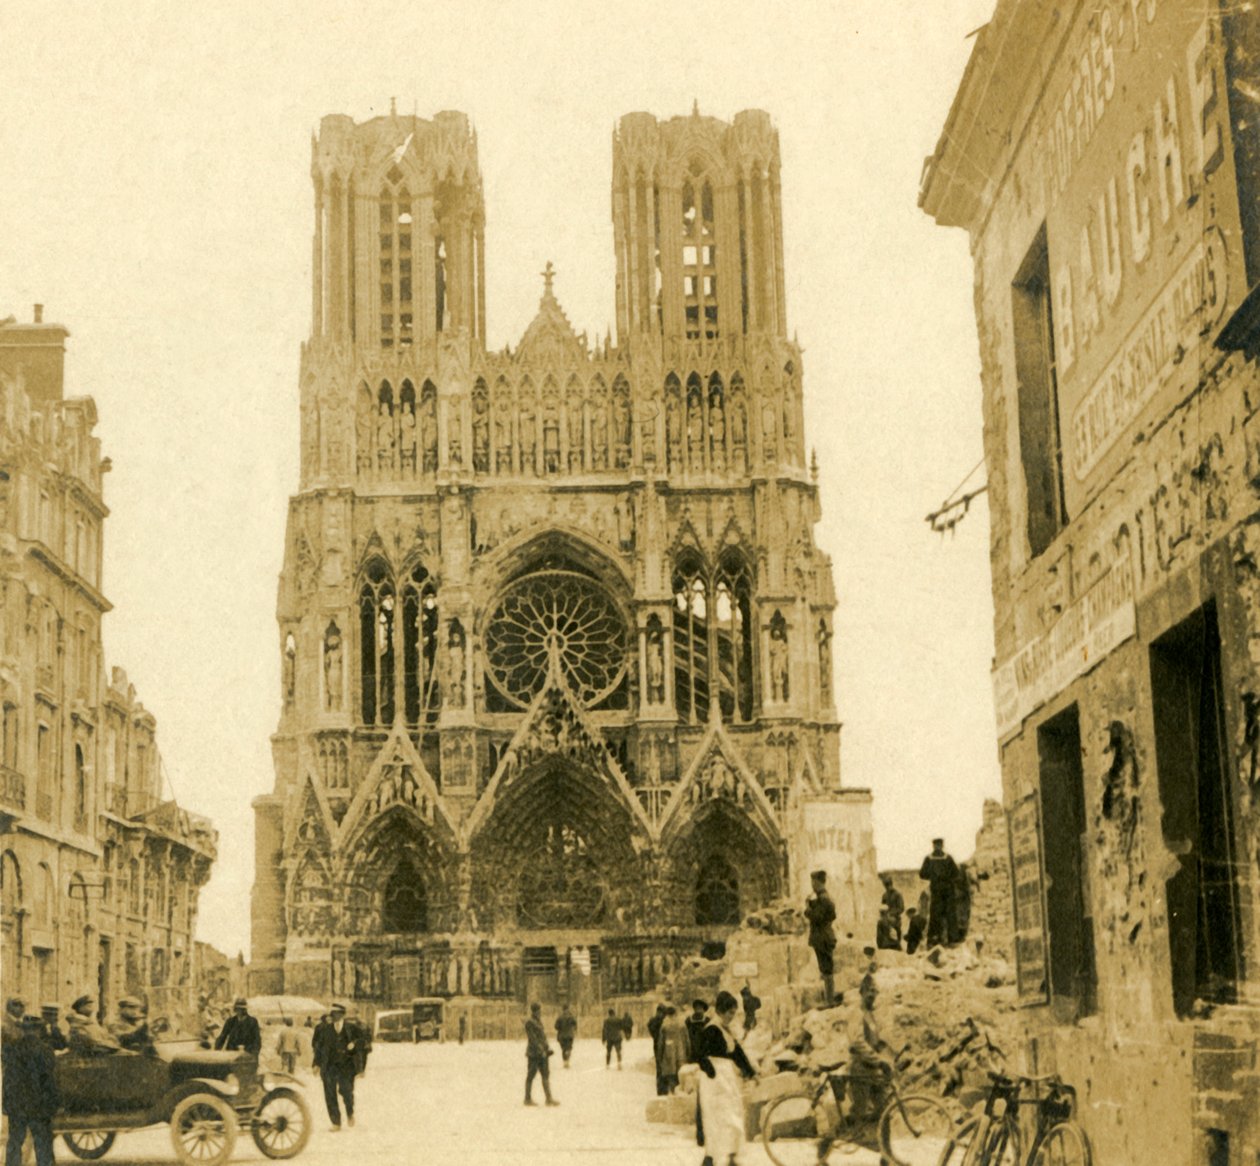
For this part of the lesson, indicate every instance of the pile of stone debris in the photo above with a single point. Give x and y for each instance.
(951, 1014)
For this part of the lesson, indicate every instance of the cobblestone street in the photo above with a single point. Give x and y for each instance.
(445, 1105)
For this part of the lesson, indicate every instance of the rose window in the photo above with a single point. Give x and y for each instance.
(562, 613)
(560, 885)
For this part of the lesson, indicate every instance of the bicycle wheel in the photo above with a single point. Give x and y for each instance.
(915, 1131)
(959, 1148)
(1001, 1146)
(1065, 1145)
(796, 1131)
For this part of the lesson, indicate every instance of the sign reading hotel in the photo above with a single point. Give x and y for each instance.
(1142, 216)
(1093, 626)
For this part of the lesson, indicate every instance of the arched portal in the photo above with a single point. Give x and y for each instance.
(399, 877)
(557, 852)
(721, 865)
(404, 904)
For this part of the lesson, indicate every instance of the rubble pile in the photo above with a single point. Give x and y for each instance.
(951, 1015)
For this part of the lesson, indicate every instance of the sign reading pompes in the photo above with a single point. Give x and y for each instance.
(1096, 624)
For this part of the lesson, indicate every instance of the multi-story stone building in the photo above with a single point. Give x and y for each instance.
(1104, 159)
(556, 637)
(100, 876)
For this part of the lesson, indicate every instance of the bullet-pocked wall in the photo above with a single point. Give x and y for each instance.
(1102, 158)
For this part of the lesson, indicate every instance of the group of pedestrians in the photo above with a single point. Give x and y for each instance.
(943, 914)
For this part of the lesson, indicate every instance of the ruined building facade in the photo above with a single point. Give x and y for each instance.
(99, 875)
(1103, 158)
(555, 634)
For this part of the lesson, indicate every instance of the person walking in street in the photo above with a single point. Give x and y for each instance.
(288, 1045)
(892, 899)
(654, 1031)
(240, 1031)
(940, 872)
(672, 1042)
(566, 1030)
(463, 1026)
(30, 1097)
(723, 1062)
(627, 1025)
(820, 911)
(695, 1024)
(614, 1030)
(339, 1047)
(537, 1056)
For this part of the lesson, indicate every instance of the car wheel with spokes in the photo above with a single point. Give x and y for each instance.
(203, 1130)
(88, 1144)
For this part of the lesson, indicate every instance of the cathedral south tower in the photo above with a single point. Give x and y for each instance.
(557, 705)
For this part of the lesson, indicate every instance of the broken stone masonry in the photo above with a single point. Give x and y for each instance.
(1105, 161)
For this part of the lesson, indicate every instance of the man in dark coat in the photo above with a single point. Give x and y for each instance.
(340, 1048)
(820, 911)
(941, 874)
(886, 937)
(11, 1022)
(537, 1056)
(916, 926)
(751, 1004)
(131, 1029)
(566, 1030)
(54, 1038)
(614, 1031)
(627, 1025)
(654, 1031)
(695, 1024)
(30, 1092)
(240, 1031)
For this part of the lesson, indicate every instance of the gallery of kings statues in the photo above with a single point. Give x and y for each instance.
(555, 636)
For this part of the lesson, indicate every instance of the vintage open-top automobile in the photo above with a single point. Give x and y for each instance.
(204, 1095)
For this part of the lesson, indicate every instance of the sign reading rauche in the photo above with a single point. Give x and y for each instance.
(1133, 142)
(1030, 927)
(1094, 625)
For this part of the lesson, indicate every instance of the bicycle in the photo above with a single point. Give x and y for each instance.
(912, 1129)
(994, 1138)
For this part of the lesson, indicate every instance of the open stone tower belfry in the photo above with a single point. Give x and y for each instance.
(557, 703)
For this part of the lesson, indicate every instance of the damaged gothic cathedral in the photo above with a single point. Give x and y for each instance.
(555, 634)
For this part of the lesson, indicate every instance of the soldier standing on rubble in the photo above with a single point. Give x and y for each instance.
(894, 902)
(821, 913)
(941, 873)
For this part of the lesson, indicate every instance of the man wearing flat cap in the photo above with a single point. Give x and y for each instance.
(87, 1038)
(54, 1038)
(240, 1032)
(340, 1046)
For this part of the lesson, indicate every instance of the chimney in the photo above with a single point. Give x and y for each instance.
(36, 353)
(39, 313)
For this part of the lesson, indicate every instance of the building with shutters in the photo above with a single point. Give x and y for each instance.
(1103, 159)
(556, 638)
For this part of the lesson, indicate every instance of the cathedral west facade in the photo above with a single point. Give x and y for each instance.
(556, 638)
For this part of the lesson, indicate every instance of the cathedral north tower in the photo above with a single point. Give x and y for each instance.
(557, 704)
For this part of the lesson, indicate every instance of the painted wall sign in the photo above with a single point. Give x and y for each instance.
(1136, 170)
(1030, 928)
(1094, 625)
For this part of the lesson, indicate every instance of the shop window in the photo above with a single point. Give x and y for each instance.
(1040, 437)
(1192, 754)
(1072, 978)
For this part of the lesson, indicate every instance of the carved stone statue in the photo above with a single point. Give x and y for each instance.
(429, 435)
(695, 432)
(599, 435)
(551, 438)
(332, 668)
(385, 439)
(655, 667)
(717, 433)
(673, 430)
(363, 436)
(503, 444)
(455, 669)
(481, 436)
(529, 438)
(778, 664)
(407, 455)
(576, 436)
(621, 430)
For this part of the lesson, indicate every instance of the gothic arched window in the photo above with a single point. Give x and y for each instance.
(376, 644)
(404, 904)
(80, 788)
(733, 623)
(420, 625)
(397, 308)
(717, 893)
(691, 640)
(699, 257)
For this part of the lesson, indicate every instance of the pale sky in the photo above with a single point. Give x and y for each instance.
(155, 196)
